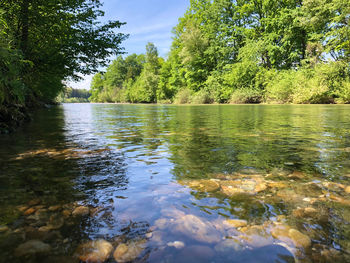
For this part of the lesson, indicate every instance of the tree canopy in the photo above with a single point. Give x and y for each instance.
(248, 51)
(43, 43)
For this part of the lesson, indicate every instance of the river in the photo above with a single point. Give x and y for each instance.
(165, 183)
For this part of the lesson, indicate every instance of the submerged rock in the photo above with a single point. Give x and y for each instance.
(29, 211)
(204, 185)
(347, 189)
(299, 239)
(196, 228)
(305, 212)
(245, 186)
(235, 222)
(3, 229)
(32, 247)
(81, 211)
(129, 252)
(94, 251)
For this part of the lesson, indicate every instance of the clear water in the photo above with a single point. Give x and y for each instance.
(171, 177)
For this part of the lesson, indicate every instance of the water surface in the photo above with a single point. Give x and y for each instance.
(219, 183)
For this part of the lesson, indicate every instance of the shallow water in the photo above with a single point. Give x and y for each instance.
(247, 183)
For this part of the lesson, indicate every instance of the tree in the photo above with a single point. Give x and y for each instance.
(61, 39)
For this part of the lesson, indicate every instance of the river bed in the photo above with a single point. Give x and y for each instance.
(165, 183)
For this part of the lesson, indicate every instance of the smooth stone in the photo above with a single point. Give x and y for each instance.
(281, 232)
(54, 208)
(4, 229)
(229, 245)
(176, 244)
(32, 247)
(305, 212)
(94, 251)
(204, 185)
(128, 252)
(29, 211)
(66, 213)
(236, 222)
(81, 211)
(347, 189)
(22, 208)
(299, 239)
(296, 175)
(260, 187)
(232, 191)
(197, 228)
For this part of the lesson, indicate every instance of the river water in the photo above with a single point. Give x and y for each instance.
(152, 183)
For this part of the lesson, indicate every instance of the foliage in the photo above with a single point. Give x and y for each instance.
(246, 52)
(44, 43)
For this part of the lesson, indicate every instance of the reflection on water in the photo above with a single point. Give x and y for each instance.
(146, 183)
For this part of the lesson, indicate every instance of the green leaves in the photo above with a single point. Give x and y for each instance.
(60, 39)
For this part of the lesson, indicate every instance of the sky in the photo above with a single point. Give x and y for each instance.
(146, 21)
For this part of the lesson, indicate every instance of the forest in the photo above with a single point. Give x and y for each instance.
(249, 51)
(46, 43)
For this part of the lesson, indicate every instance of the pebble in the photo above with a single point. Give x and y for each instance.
(128, 252)
(235, 222)
(32, 247)
(29, 211)
(54, 208)
(3, 229)
(81, 211)
(299, 239)
(97, 251)
(347, 189)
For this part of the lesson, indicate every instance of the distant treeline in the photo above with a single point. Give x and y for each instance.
(226, 51)
(70, 95)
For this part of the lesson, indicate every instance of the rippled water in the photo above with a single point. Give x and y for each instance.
(249, 183)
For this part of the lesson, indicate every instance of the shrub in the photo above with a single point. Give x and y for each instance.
(183, 97)
(202, 97)
(247, 95)
(280, 88)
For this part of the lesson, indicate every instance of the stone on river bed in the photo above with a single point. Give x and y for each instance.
(129, 252)
(94, 251)
(243, 186)
(196, 228)
(235, 222)
(81, 211)
(32, 247)
(287, 234)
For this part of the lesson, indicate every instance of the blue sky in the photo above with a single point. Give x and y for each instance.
(147, 21)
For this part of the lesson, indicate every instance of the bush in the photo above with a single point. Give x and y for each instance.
(202, 97)
(248, 95)
(342, 92)
(183, 97)
(310, 91)
(280, 88)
